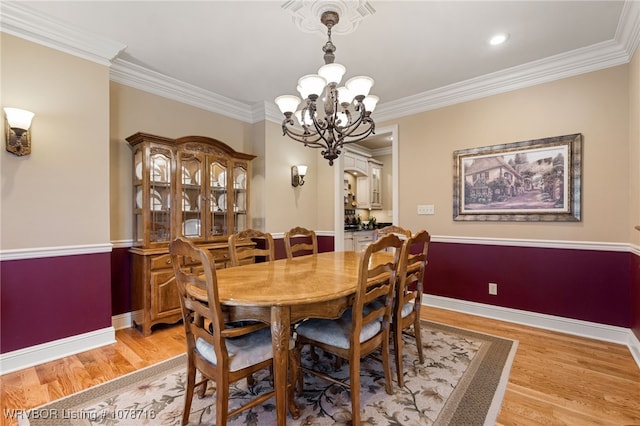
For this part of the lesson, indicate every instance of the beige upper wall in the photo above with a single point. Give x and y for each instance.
(286, 206)
(82, 120)
(634, 148)
(59, 195)
(134, 110)
(594, 104)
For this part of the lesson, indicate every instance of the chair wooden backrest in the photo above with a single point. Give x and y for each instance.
(375, 281)
(391, 229)
(412, 266)
(247, 254)
(300, 239)
(205, 327)
(408, 298)
(369, 320)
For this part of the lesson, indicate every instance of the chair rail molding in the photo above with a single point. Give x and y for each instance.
(41, 252)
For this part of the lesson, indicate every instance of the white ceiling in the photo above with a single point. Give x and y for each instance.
(248, 52)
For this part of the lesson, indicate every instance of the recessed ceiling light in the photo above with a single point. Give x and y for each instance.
(498, 39)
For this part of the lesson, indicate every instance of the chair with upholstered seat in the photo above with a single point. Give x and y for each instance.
(408, 298)
(360, 330)
(221, 353)
(262, 248)
(299, 241)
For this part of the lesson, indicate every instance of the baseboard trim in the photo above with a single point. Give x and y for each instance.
(45, 352)
(592, 330)
(121, 321)
(634, 347)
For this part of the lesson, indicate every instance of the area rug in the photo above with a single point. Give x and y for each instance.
(462, 382)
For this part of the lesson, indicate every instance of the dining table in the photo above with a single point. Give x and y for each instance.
(286, 291)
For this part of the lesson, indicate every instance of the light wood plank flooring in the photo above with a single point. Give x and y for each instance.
(556, 379)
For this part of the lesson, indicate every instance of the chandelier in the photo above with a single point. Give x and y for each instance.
(347, 109)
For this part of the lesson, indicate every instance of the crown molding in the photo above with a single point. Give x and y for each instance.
(628, 31)
(26, 23)
(142, 78)
(580, 61)
(29, 24)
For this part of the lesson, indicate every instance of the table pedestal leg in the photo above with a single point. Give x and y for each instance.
(280, 330)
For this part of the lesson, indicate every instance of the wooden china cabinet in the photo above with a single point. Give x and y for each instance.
(193, 187)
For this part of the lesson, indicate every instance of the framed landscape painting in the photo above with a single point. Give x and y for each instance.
(536, 180)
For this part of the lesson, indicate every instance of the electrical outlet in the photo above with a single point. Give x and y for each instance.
(493, 289)
(426, 209)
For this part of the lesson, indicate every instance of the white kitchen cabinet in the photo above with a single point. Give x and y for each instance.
(355, 163)
(362, 239)
(348, 241)
(369, 187)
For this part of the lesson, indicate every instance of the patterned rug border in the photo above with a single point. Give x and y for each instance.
(462, 407)
(464, 404)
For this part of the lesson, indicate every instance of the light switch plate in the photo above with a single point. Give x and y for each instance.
(426, 209)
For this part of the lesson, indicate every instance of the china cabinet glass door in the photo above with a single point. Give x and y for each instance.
(152, 188)
(190, 173)
(218, 196)
(240, 201)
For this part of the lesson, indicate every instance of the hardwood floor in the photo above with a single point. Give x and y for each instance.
(556, 379)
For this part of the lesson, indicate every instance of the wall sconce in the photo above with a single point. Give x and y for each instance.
(16, 125)
(297, 175)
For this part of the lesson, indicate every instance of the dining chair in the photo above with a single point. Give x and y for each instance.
(300, 240)
(241, 254)
(359, 331)
(219, 352)
(408, 297)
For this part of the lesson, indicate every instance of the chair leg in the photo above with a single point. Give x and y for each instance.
(354, 384)
(418, 334)
(188, 396)
(314, 354)
(251, 381)
(397, 352)
(202, 389)
(386, 364)
(299, 377)
(222, 401)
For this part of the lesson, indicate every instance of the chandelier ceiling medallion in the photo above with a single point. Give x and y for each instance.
(347, 109)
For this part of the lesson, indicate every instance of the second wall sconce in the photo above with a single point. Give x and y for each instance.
(17, 135)
(297, 175)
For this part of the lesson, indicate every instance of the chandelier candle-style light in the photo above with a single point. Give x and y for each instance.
(347, 109)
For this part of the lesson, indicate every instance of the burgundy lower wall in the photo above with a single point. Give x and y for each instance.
(47, 299)
(635, 295)
(120, 281)
(587, 285)
(52, 298)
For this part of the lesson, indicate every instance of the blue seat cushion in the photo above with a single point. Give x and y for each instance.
(243, 351)
(336, 332)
